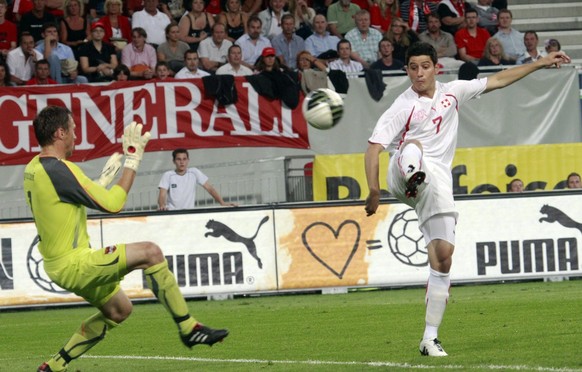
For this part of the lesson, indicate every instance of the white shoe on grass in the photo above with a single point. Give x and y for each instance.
(432, 348)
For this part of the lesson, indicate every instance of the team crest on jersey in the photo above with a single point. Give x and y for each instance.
(446, 103)
(420, 115)
(111, 249)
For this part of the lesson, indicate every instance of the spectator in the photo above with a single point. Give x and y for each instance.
(234, 66)
(344, 62)
(471, 39)
(516, 185)
(321, 41)
(75, 29)
(511, 39)
(488, 16)
(41, 74)
(452, 14)
(121, 73)
(287, 44)
(442, 42)
(271, 18)
(21, 60)
(214, 50)
(252, 7)
(97, 58)
(5, 78)
(364, 40)
(70, 72)
(415, 13)
(178, 187)
(387, 61)
(172, 51)
(312, 72)
(340, 17)
(191, 70)
(304, 15)
(382, 12)
(234, 19)
(8, 32)
(195, 25)
(401, 38)
(139, 56)
(33, 21)
(573, 181)
(152, 21)
(163, 72)
(117, 27)
(96, 10)
(174, 9)
(494, 54)
(532, 54)
(252, 43)
(552, 45)
(53, 51)
(213, 7)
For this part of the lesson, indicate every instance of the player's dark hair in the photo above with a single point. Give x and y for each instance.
(179, 151)
(421, 49)
(48, 121)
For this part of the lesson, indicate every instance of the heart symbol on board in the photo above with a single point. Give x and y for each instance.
(339, 253)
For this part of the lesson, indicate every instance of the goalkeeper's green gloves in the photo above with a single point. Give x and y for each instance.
(110, 170)
(134, 144)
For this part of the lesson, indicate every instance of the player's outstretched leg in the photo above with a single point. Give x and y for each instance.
(163, 283)
(437, 295)
(91, 331)
(410, 161)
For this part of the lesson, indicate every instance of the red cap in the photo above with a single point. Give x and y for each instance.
(268, 51)
(97, 24)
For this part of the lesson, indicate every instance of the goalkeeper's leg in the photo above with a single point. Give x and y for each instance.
(162, 282)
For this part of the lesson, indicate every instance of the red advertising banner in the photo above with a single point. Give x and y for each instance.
(178, 113)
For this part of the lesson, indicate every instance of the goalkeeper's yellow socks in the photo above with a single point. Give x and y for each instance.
(91, 331)
(162, 282)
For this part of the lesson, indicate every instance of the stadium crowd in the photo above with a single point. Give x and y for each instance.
(99, 40)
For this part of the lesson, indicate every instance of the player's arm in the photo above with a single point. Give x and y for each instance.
(162, 199)
(372, 165)
(212, 191)
(510, 76)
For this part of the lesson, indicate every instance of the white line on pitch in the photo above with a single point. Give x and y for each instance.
(326, 362)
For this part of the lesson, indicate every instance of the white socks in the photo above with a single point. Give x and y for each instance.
(409, 160)
(437, 296)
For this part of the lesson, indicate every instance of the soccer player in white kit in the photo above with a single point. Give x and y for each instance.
(420, 132)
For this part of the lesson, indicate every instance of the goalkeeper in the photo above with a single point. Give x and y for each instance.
(58, 192)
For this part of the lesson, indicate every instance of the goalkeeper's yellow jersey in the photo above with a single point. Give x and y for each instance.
(58, 193)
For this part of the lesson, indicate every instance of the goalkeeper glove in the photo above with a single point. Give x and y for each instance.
(134, 145)
(110, 170)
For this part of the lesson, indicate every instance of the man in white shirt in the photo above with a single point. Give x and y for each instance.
(178, 186)
(420, 132)
(152, 21)
(234, 66)
(21, 60)
(252, 43)
(214, 50)
(344, 62)
(532, 54)
(191, 70)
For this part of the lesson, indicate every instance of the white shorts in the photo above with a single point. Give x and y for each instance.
(435, 195)
(441, 226)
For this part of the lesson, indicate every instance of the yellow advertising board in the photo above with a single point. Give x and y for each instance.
(475, 170)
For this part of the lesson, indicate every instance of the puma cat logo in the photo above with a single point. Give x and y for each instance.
(218, 229)
(556, 215)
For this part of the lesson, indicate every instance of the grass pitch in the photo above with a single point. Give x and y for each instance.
(533, 326)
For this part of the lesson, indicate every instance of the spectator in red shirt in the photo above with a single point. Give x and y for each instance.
(8, 33)
(471, 40)
(42, 73)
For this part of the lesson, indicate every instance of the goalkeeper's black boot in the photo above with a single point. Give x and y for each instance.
(413, 182)
(202, 335)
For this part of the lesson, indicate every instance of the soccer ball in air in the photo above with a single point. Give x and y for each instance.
(405, 240)
(323, 108)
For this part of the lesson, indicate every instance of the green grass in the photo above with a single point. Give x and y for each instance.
(516, 326)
